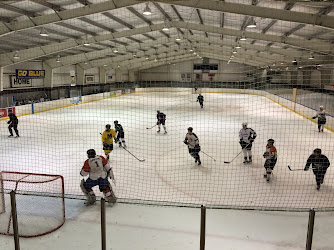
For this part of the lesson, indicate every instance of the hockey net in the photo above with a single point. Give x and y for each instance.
(39, 202)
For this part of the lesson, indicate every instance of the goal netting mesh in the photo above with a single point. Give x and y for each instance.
(39, 203)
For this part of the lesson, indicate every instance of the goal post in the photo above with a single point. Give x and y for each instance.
(40, 203)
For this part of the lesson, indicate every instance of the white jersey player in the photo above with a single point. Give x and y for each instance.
(321, 115)
(98, 169)
(193, 145)
(247, 137)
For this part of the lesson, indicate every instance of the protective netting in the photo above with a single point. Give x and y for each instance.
(39, 203)
(266, 63)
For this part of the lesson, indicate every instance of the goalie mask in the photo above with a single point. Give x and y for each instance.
(91, 153)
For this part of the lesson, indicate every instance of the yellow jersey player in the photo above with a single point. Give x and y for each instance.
(107, 140)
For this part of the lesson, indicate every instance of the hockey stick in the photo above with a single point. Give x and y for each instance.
(204, 153)
(152, 127)
(228, 162)
(299, 169)
(133, 155)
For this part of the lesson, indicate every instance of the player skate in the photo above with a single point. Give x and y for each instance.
(91, 199)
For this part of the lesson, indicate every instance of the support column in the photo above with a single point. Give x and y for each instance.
(307, 77)
(48, 80)
(294, 77)
(80, 75)
(1, 79)
(102, 73)
(325, 78)
(118, 76)
(132, 76)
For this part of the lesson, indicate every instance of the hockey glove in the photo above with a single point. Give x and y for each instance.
(314, 117)
(197, 146)
(157, 123)
(251, 140)
(306, 168)
(185, 142)
(265, 154)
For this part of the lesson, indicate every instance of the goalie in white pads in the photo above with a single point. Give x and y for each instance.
(247, 137)
(271, 158)
(98, 169)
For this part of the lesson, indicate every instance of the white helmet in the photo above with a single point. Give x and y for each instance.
(244, 124)
(321, 107)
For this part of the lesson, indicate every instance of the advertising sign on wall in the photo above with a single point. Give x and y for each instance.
(25, 73)
(198, 77)
(90, 79)
(5, 111)
(118, 92)
(19, 82)
(72, 75)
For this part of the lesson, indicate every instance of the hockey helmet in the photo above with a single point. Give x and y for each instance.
(108, 126)
(321, 107)
(91, 153)
(158, 111)
(271, 141)
(317, 150)
(244, 124)
(116, 122)
(190, 129)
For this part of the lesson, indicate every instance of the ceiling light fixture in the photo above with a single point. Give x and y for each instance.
(166, 26)
(311, 57)
(234, 51)
(252, 23)
(155, 59)
(115, 50)
(16, 55)
(294, 61)
(85, 62)
(147, 58)
(238, 46)
(178, 38)
(147, 11)
(191, 50)
(58, 59)
(86, 42)
(243, 38)
(43, 32)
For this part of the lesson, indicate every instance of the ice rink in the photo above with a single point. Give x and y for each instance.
(56, 141)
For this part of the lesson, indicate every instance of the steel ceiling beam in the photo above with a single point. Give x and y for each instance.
(321, 47)
(242, 9)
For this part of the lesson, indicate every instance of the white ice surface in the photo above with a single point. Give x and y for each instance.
(55, 142)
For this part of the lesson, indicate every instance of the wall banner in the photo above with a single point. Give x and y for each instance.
(72, 75)
(5, 111)
(19, 82)
(24, 73)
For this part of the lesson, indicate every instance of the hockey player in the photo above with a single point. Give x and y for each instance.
(120, 134)
(320, 163)
(107, 140)
(13, 122)
(271, 158)
(161, 120)
(247, 137)
(98, 169)
(193, 145)
(200, 99)
(321, 115)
